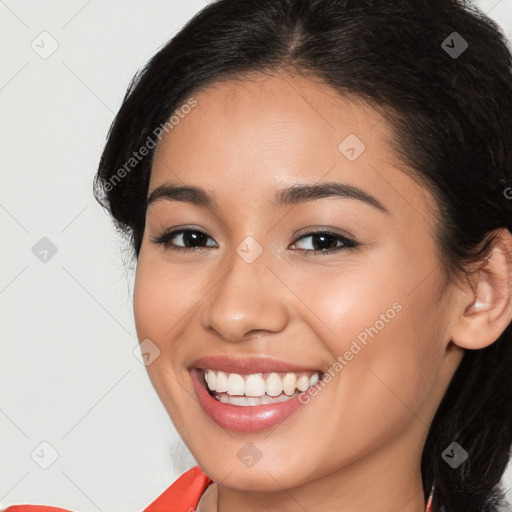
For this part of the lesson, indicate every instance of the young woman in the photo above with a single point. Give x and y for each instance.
(318, 196)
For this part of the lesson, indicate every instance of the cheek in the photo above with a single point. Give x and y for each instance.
(385, 333)
(386, 349)
(161, 303)
(382, 303)
(162, 299)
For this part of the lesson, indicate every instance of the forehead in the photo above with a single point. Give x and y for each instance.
(265, 123)
(267, 132)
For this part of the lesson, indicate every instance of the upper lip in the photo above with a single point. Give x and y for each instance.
(248, 365)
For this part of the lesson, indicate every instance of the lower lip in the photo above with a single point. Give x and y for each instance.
(242, 418)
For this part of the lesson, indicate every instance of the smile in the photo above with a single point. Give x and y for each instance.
(247, 395)
(258, 388)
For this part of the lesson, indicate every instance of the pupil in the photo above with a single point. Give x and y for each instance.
(325, 241)
(192, 237)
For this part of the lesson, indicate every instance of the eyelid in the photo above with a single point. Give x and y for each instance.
(323, 229)
(348, 241)
(167, 234)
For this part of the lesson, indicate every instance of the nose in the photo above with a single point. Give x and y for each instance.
(246, 301)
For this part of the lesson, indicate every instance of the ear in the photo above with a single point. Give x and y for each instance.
(485, 304)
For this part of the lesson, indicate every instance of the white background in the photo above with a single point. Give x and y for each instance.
(68, 375)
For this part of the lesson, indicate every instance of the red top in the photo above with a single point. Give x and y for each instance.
(182, 496)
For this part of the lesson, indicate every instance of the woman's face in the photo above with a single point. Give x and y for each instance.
(273, 291)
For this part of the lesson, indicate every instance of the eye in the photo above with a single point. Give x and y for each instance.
(320, 242)
(324, 242)
(184, 240)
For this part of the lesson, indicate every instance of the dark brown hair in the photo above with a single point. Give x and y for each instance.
(441, 70)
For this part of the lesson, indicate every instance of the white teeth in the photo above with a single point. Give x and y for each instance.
(221, 382)
(289, 383)
(210, 379)
(303, 383)
(252, 400)
(235, 384)
(237, 400)
(244, 401)
(260, 386)
(254, 386)
(274, 384)
(265, 399)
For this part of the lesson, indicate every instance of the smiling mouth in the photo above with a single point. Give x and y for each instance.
(257, 388)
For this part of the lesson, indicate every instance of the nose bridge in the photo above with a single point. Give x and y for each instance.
(248, 298)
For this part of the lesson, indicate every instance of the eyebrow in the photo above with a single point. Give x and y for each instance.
(289, 196)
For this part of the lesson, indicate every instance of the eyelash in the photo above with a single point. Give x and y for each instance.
(348, 243)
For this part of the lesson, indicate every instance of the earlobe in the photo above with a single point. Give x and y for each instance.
(486, 308)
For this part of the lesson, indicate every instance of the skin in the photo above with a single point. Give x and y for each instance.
(358, 443)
